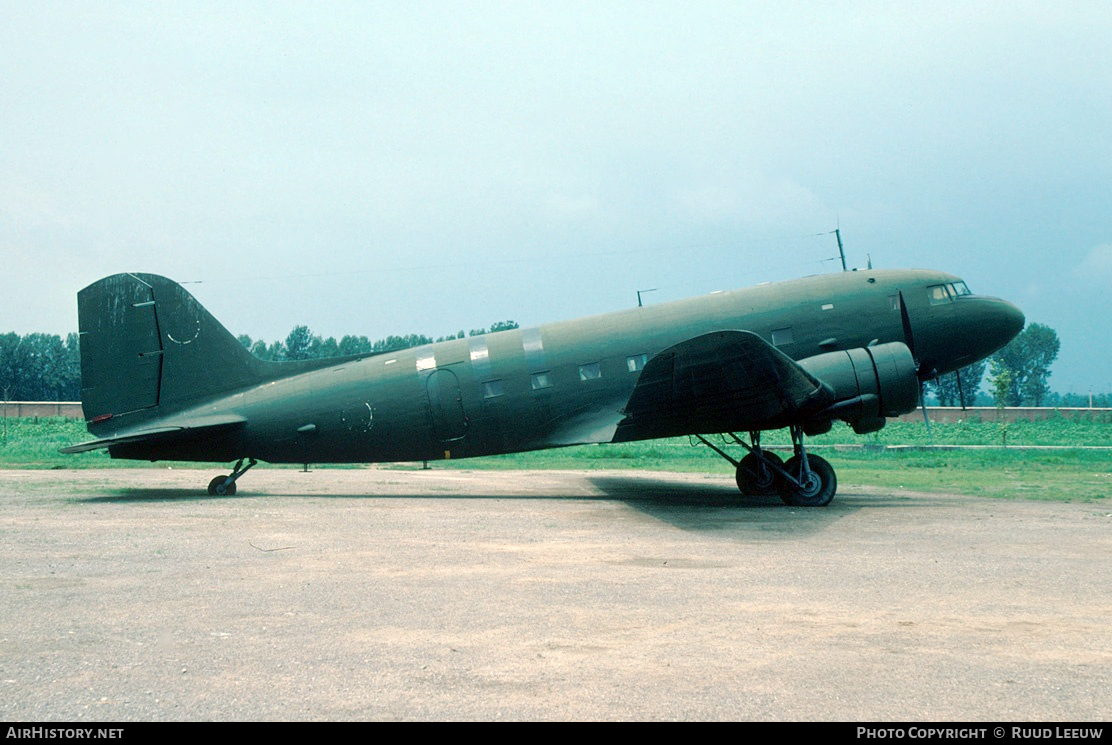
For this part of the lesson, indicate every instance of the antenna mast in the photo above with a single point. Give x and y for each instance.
(841, 251)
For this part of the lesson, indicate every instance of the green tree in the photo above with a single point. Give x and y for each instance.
(265, 351)
(946, 388)
(72, 368)
(299, 344)
(40, 367)
(355, 345)
(303, 344)
(49, 364)
(394, 343)
(324, 347)
(11, 376)
(1027, 360)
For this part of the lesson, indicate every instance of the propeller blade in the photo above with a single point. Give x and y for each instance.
(909, 340)
(909, 337)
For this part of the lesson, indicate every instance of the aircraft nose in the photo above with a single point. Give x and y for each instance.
(980, 326)
(997, 323)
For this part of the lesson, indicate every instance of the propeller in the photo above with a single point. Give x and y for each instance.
(909, 340)
(909, 336)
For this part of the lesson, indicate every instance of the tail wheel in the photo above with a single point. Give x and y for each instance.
(815, 489)
(755, 474)
(216, 487)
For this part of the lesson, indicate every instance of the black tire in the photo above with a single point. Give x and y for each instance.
(756, 479)
(216, 487)
(816, 491)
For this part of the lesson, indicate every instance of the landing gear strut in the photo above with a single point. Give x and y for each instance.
(809, 480)
(805, 480)
(225, 486)
(758, 472)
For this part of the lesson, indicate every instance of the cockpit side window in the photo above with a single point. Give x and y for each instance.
(939, 294)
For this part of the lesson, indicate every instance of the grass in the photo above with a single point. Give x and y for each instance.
(1071, 474)
(1066, 475)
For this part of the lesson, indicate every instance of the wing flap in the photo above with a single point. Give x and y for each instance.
(724, 381)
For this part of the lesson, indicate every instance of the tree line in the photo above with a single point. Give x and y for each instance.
(39, 367)
(44, 367)
(303, 344)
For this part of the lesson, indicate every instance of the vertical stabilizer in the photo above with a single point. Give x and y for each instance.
(148, 348)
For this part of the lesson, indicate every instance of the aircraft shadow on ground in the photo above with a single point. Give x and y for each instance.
(659, 492)
(718, 507)
(688, 506)
(145, 495)
(671, 493)
(617, 490)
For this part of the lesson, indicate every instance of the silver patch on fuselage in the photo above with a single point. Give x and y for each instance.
(534, 348)
(480, 355)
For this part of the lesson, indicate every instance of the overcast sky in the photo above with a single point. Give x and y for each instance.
(373, 168)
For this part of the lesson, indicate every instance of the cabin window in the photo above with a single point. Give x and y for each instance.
(590, 372)
(780, 337)
(636, 362)
(541, 380)
(894, 302)
(492, 389)
(828, 306)
(939, 294)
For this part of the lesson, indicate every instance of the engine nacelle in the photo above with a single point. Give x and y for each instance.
(869, 383)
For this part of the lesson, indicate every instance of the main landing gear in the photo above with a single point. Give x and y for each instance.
(225, 486)
(804, 480)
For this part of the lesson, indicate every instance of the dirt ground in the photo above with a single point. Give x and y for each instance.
(386, 594)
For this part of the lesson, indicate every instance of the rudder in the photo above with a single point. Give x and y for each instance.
(148, 348)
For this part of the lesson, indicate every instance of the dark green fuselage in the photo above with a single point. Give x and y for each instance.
(563, 383)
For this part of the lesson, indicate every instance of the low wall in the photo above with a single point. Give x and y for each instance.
(67, 409)
(1010, 414)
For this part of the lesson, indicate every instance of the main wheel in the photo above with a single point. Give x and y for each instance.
(757, 478)
(216, 487)
(816, 489)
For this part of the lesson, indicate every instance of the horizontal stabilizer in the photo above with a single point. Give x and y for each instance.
(168, 430)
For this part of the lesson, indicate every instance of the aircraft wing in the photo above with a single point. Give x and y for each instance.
(167, 432)
(724, 381)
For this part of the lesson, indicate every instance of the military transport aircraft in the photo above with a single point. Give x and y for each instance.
(163, 380)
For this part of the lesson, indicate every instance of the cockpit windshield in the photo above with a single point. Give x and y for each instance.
(946, 293)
